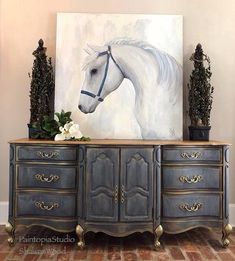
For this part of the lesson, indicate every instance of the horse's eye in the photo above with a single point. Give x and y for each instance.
(93, 71)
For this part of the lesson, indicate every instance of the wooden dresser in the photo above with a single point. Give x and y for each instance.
(119, 186)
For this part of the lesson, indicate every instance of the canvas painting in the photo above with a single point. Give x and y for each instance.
(121, 74)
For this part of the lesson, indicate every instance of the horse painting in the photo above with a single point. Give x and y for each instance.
(156, 78)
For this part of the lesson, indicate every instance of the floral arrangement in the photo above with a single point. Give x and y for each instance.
(69, 131)
(61, 128)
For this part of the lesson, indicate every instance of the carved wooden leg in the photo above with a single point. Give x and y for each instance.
(158, 233)
(11, 233)
(80, 234)
(227, 229)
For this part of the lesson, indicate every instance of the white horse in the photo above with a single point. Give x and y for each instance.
(156, 78)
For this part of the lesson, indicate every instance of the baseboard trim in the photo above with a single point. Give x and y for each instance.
(4, 213)
(232, 214)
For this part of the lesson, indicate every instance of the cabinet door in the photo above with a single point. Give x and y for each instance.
(136, 184)
(102, 181)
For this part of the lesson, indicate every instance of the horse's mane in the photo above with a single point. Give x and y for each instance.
(169, 68)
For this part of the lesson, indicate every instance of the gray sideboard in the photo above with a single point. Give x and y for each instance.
(119, 187)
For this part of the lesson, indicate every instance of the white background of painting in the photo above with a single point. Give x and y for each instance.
(115, 117)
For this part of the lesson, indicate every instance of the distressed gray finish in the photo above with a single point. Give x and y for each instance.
(136, 184)
(101, 178)
(57, 183)
(118, 189)
(194, 189)
(192, 154)
(172, 205)
(192, 177)
(49, 176)
(28, 204)
(46, 153)
(133, 195)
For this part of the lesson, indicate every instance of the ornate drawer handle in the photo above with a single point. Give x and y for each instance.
(116, 194)
(48, 179)
(193, 155)
(122, 194)
(43, 206)
(194, 179)
(48, 155)
(195, 207)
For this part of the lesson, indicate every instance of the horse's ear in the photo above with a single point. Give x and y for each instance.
(88, 51)
(97, 49)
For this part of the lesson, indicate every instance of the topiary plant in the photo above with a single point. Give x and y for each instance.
(200, 92)
(200, 89)
(42, 86)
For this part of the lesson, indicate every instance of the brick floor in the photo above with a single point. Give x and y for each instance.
(196, 245)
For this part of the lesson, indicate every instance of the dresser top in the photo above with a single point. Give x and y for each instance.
(120, 142)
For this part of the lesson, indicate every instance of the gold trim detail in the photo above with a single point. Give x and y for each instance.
(48, 155)
(158, 233)
(193, 155)
(195, 207)
(48, 218)
(194, 179)
(11, 234)
(227, 229)
(122, 194)
(47, 226)
(48, 179)
(116, 194)
(80, 234)
(43, 206)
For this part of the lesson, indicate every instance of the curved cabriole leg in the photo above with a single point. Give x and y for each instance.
(227, 229)
(158, 233)
(80, 234)
(11, 233)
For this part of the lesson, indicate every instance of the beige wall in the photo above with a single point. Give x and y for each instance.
(23, 22)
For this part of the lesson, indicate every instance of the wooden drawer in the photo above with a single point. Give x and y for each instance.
(191, 177)
(46, 153)
(46, 204)
(192, 154)
(191, 205)
(46, 176)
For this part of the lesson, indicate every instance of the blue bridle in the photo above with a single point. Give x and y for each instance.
(109, 55)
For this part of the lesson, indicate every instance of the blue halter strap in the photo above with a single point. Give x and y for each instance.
(109, 55)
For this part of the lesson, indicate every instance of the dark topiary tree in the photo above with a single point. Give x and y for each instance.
(42, 86)
(200, 93)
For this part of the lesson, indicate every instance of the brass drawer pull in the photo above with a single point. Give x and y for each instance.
(122, 194)
(43, 206)
(48, 179)
(116, 194)
(48, 155)
(193, 155)
(195, 207)
(194, 179)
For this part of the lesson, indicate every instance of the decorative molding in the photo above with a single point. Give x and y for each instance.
(3, 212)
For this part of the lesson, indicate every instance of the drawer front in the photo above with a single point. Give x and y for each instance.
(47, 176)
(191, 205)
(191, 177)
(189, 154)
(46, 204)
(46, 153)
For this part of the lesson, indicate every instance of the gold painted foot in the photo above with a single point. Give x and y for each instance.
(11, 233)
(80, 234)
(227, 229)
(158, 233)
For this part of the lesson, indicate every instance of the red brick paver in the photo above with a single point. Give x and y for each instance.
(196, 245)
